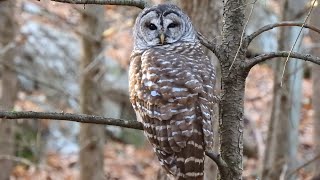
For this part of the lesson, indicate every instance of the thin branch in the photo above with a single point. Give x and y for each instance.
(92, 119)
(222, 165)
(303, 165)
(242, 36)
(263, 57)
(81, 118)
(208, 44)
(295, 42)
(136, 3)
(280, 24)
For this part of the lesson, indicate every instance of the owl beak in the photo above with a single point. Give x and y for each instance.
(162, 38)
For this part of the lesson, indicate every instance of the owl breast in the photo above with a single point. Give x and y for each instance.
(172, 91)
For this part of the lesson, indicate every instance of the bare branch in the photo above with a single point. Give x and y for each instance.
(263, 57)
(303, 165)
(295, 42)
(280, 24)
(242, 36)
(81, 118)
(84, 118)
(222, 165)
(136, 3)
(208, 44)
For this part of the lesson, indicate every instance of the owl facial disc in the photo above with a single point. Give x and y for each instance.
(161, 25)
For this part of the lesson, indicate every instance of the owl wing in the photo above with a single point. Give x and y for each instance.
(172, 94)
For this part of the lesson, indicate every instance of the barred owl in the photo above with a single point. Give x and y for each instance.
(172, 89)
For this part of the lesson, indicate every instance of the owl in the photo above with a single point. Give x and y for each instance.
(171, 84)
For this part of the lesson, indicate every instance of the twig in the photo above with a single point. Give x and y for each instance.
(280, 24)
(81, 118)
(295, 42)
(208, 44)
(242, 35)
(303, 165)
(222, 165)
(263, 57)
(136, 3)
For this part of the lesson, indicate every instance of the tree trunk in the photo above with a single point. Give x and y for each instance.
(91, 136)
(8, 85)
(232, 90)
(206, 16)
(314, 18)
(282, 142)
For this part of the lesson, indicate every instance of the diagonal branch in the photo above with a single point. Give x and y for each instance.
(222, 165)
(263, 57)
(303, 165)
(211, 45)
(242, 36)
(280, 24)
(136, 3)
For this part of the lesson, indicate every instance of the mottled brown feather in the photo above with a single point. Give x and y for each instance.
(172, 90)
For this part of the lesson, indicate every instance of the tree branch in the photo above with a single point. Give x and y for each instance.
(263, 57)
(136, 3)
(222, 165)
(92, 119)
(280, 24)
(303, 165)
(208, 44)
(81, 118)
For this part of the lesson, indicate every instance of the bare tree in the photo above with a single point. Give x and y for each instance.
(282, 143)
(231, 52)
(91, 135)
(8, 84)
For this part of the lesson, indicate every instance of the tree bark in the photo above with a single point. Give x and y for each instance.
(282, 144)
(314, 20)
(232, 89)
(91, 136)
(8, 85)
(206, 16)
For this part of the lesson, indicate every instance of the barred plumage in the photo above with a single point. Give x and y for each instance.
(172, 90)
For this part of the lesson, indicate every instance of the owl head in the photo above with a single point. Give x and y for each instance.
(162, 24)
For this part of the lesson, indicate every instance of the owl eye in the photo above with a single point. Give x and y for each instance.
(172, 25)
(151, 26)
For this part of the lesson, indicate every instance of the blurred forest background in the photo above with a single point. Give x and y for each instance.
(58, 57)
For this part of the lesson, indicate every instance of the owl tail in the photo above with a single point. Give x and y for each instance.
(188, 164)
